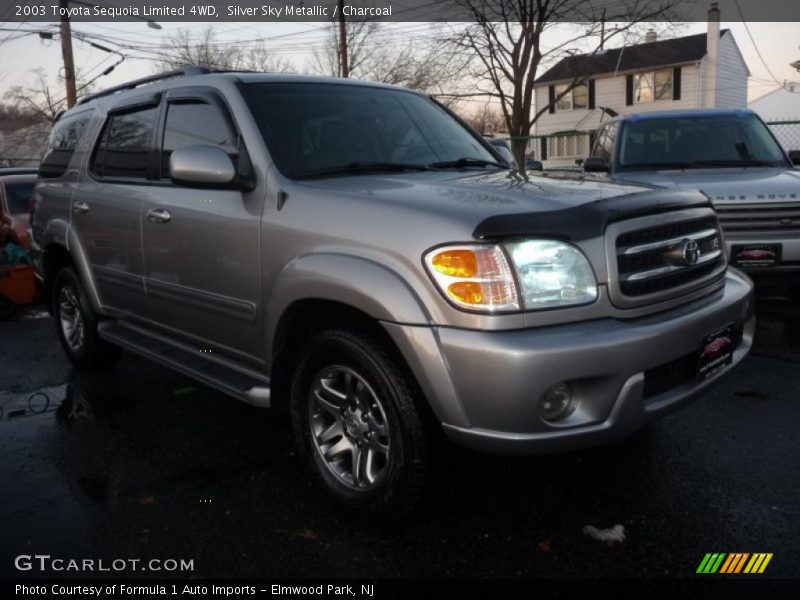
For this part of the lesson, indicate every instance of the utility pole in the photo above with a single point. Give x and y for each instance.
(603, 30)
(344, 68)
(66, 52)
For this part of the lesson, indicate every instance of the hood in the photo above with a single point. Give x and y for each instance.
(502, 203)
(481, 194)
(750, 184)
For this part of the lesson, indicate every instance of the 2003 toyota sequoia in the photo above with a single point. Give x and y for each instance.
(357, 252)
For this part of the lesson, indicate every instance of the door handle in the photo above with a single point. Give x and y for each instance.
(158, 215)
(80, 207)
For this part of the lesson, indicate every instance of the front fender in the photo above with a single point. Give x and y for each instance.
(384, 295)
(359, 283)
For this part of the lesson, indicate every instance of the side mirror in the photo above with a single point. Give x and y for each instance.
(201, 165)
(534, 165)
(595, 164)
(794, 156)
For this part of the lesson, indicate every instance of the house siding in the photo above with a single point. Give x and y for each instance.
(610, 93)
(731, 75)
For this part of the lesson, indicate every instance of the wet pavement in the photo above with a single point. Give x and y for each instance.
(145, 463)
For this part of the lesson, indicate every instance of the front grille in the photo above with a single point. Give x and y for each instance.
(759, 219)
(678, 372)
(658, 259)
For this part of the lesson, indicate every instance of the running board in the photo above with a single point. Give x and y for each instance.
(235, 381)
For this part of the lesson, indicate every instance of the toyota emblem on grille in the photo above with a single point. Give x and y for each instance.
(690, 252)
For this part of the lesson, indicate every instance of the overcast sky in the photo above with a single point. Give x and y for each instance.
(778, 44)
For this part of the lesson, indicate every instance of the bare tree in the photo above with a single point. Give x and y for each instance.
(201, 48)
(486, 120)
(507, 39)
(328, 60)
(40, 99)
(375, 53)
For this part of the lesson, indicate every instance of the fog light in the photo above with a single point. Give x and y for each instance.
(556, 402)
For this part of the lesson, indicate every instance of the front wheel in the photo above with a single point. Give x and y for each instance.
(358, 419)
(76, 324)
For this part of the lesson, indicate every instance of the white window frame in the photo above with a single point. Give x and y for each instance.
(567, 102)
(646, 80)
(567, 145)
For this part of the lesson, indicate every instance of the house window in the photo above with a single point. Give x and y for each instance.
(653, 85)
(568, 146)
(576, 98)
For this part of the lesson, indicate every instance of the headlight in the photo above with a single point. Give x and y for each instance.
(474, 276)
(552, 274)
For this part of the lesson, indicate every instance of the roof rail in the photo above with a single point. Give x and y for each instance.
(183, 72)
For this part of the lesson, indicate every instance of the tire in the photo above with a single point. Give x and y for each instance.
(381, 419)
(76, 325)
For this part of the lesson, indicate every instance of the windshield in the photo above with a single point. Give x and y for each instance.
(698, 142)
(313, 128)
(18, 196)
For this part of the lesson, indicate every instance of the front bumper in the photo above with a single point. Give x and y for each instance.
(495, 379)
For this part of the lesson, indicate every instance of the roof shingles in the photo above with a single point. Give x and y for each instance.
(674, 51)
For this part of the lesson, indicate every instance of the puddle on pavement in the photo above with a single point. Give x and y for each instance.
(778, 325)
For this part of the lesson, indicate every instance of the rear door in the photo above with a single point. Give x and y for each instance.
(106, 207)
(201, 245)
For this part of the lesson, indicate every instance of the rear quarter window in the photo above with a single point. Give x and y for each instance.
(64, 139)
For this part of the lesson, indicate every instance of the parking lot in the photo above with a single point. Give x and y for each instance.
(142, 462)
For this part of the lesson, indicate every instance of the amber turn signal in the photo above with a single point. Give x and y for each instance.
(468, 292)
(456, 263)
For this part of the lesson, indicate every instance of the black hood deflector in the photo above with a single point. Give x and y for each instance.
(588, 220)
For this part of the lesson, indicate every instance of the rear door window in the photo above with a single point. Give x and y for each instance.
(124, 146)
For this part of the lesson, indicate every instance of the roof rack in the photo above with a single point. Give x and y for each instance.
(183, 72)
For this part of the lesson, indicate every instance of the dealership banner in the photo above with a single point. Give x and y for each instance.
(387, 10)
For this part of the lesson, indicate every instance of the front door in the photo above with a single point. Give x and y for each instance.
(201, 246)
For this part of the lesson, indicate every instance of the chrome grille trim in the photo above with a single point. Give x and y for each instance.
(648, 275)
(700, 235)
(642, 275)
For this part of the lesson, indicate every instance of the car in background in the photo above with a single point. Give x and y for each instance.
(504, 150)
(16, 190)
(730, 155)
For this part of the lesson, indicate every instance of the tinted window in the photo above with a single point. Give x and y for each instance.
(699, 141)
(63, 140)
(18, 196)
(313, 127)
(125, 145)
(194, 124)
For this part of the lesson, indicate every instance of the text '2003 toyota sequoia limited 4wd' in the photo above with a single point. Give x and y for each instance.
(357, 252)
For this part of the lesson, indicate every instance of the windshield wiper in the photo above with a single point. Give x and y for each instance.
(733, 163)
(358, 168)
(465, 162)
(661, 165)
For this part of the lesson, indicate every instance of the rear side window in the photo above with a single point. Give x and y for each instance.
(195, 124)
(64, 138)
(124, 145)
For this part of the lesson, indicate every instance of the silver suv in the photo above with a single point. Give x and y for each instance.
(355, 253)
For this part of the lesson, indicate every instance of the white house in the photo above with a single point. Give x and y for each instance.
(696, 71)
(781, 108)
